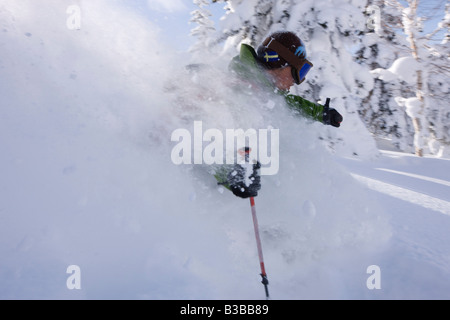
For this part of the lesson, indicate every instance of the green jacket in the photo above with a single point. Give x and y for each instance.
(246, 66)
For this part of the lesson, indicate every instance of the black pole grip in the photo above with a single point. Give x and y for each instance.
(327, 104)
(265, 282)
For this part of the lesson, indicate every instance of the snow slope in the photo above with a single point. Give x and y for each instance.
(415, 193)
(87, 180)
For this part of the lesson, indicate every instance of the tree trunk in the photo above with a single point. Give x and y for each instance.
(418, 127)
(416, 121)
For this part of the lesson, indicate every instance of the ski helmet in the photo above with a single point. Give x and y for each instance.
(284, 48)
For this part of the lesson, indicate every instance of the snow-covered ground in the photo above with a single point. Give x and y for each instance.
(415, 194)
(88, 181)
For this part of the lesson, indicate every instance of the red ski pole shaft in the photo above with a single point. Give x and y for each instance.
(264, 281)
(246, 153)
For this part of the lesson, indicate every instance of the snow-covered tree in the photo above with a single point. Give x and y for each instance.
(424, 67)
(204, 31)
(249, 21)
(380, 46)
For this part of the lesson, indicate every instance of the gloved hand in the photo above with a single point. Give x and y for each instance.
(242, 184)
(331, 116)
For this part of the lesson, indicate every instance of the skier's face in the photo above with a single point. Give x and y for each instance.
(282, 78)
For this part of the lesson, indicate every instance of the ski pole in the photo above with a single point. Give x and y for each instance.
(245, 152)
(264, 281)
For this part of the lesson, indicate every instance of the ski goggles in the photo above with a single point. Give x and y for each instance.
(299, 74)
(300, 67)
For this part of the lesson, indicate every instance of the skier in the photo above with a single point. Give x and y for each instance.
(277, 64)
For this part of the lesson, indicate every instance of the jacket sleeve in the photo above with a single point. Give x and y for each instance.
(221, 174)
(305, 107)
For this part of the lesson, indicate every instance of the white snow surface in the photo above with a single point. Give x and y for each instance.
(87, 180)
